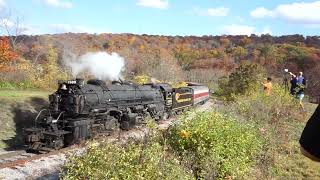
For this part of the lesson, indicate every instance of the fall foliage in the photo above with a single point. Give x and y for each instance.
(176, 58)
(7, 56)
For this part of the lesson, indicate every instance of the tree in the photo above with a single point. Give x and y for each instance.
(51, 71)
(7, 56)
(245, 41)
(13, 28)
(224, 41)
(186, 58)
(245, 79)
(239, 53)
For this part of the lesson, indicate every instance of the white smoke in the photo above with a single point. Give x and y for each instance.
(99, 64)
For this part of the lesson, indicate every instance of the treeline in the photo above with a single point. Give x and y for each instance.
(174, 58)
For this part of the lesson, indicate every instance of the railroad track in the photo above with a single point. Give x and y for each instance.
(11, 156)
(20, 157)
(12, 159)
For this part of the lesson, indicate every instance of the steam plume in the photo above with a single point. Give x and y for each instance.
(100, 64)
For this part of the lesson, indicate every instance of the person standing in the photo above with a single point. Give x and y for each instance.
(267, 86)
(299, 87)
(293, 83)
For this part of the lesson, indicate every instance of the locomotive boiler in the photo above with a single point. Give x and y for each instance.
(79, 110)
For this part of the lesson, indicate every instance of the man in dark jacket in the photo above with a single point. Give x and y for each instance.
(293, 83)
(299, 87)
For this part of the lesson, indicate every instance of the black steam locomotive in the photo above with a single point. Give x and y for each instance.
(80, 110)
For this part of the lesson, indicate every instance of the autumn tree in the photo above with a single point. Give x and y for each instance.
(271, 55)
(160, 64)
(245, 41)
(224, 41)
(239, 53)
(186, 58)
(245, 79)
(7, 55)
(51, 71)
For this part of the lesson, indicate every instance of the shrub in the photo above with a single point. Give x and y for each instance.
(129, 161)
(214, 146)
(137, 159)
(279, 106)
(244, 80)
(280, 122)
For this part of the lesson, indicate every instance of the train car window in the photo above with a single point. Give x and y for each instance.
(185, 90)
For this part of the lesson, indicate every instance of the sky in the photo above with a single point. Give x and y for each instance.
(162, 17)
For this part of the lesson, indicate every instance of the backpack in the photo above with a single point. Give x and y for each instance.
(301, 87)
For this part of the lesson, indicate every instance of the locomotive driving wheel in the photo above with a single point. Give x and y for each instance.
(165, 116)
(112, 124)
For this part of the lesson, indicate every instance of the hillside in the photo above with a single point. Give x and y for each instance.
(18, 110)
(175, 58)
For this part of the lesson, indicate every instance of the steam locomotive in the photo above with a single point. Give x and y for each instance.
(79, 110)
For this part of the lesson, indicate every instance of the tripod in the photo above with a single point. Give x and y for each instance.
(285, 82)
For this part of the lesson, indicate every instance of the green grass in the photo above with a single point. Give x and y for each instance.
(17, 110)
(23, 94)
(280, 120)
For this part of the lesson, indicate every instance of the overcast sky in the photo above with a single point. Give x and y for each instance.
(164, 17)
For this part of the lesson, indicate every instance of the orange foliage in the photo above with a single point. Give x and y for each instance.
(7, 56)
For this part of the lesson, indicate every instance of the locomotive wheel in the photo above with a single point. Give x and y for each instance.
(125, 125)
(58, 144)
(112, 125)
(165, 116)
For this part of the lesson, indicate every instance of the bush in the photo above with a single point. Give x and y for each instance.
(279, 106)
(280, 123)
(244, 80)
(129, 161)
(146, 158)
(209, 145)
(214, 146)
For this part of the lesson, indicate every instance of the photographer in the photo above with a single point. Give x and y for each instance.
(293, 83)
(267, 86)
(299, 87)
(309, 141)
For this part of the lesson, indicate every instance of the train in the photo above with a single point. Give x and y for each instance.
(80, 110)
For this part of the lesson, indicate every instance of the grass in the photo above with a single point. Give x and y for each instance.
(22, 94)
(281, 121)
(17, 109)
